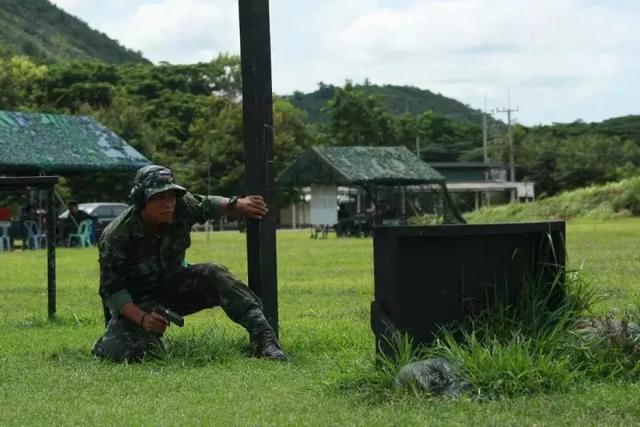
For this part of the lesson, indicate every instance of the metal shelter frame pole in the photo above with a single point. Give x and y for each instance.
(257, 110)
(51, 256)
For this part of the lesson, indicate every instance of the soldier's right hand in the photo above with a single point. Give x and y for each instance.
(154, 322)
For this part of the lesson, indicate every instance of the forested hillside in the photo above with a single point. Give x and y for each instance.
(45, 33)
(398, 99)
(626, 127)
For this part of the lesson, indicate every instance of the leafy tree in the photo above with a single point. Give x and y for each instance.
(19, 83)
(558, 164)
(593, 159)
(292, 133)
(358, 119)
(216, 149)
(68, 85)
(406, 129)
(445, 140)
(127, 120)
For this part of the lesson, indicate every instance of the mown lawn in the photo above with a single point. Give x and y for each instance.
(47, 375)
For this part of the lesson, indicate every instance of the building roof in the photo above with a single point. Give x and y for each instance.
(53, 143)
(358, 165)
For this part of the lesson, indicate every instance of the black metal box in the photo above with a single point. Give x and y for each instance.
(426, 277)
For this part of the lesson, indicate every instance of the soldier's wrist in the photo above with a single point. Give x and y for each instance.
(232, 203)
(145, 314)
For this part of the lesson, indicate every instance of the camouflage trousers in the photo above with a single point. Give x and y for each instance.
(193, 288)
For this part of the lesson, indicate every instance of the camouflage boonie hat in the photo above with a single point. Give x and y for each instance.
(154, 179)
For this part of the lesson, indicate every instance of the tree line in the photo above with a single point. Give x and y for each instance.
(189, 118)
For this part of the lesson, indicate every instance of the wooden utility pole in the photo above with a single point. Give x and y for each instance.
(512, 169)
(485, 152)
(257, 111)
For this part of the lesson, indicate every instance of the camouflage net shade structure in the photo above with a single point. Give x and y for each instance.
(33, 143)
(374, 169)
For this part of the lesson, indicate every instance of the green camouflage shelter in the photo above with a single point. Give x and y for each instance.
(34, 143)
(368, 168)
(364, 166)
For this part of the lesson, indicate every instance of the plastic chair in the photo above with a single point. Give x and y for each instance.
(34, 236)
(83, 235)
(5, 241)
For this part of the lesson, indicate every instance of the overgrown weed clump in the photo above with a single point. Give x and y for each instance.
(529, 346)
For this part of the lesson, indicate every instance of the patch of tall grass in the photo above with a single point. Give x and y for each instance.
(518, 347)
(524, 347)
(498, 368)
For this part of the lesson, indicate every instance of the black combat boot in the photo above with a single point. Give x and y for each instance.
(265, 345)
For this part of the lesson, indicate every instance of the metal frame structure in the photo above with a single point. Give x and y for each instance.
(47, 183)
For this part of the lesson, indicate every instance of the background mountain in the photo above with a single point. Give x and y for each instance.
(399, 99)
(45, 33)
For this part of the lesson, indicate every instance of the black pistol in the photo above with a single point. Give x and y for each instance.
(169, 314)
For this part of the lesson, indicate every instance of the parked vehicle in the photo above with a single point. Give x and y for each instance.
(104, 213)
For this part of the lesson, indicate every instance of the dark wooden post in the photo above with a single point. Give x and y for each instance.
(258, 150)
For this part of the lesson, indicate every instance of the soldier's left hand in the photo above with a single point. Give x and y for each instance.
(253, 207)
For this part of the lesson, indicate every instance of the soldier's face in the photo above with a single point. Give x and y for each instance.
(160, 207)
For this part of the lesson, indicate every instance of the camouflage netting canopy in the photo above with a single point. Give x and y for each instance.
(52, 143)
(369, 168)
(358, 165)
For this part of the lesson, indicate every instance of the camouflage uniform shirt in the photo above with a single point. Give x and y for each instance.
(136, 267)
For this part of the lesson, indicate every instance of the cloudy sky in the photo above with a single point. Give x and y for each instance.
(561, 60)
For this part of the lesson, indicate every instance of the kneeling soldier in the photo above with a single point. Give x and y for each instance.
(142, 256)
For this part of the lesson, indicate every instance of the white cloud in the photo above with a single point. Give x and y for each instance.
(183, 30)
(561, 59)
(461, 46)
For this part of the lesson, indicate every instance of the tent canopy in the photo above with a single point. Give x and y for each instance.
(358, 165)
(54, 143)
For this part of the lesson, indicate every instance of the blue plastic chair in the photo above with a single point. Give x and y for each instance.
(83, 235)
(34, 236)
(5, 241)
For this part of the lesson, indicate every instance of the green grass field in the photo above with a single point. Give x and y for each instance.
(47, 375)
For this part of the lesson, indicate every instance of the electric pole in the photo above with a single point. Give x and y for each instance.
(484, 138)
(418, 137)
(512, 169)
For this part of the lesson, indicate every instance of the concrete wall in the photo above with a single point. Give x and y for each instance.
(295, 216)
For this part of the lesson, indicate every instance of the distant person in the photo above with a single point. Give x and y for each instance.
(343, 212)
(73, 220)
(343, 227)
(142, 264)
(28, 212)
